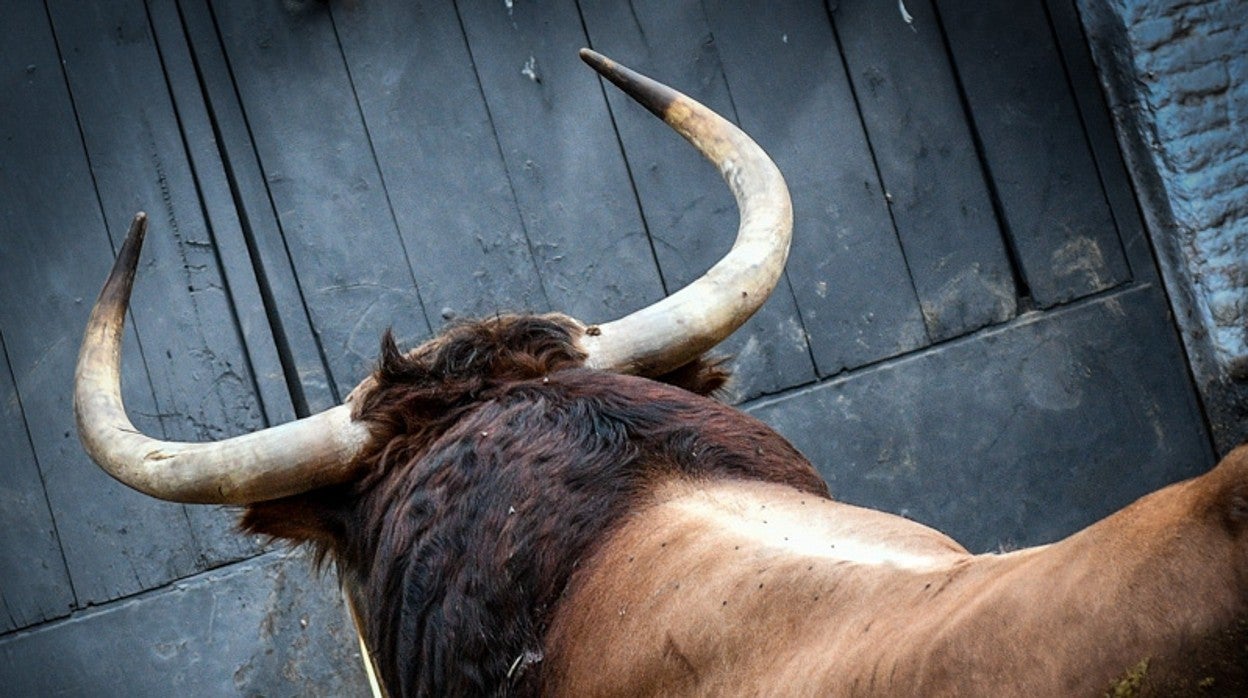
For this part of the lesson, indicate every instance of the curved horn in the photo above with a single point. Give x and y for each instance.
(283, 460)
(679, 328)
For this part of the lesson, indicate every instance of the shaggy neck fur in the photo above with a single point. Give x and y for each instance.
(500, 463)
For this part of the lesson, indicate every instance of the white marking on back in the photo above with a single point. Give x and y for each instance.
(827, 530)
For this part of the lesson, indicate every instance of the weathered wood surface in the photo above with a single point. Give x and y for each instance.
(790, 89)
(266, 627)
(56, 247)
(34, 585)
(1102, 142)
(303, 363)
(1035, 148)
(201, 379)
(1015, 438)
(317, 172)
(212, 179)
(933, 181)
(563, 160)
(434, 140)
(334, 213)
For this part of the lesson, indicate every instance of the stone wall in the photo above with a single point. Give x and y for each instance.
(1176, 75)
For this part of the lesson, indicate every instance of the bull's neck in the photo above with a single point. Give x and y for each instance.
(713, 577)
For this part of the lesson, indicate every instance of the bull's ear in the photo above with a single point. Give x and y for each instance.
(312, 518)
(703, 376)
(393, 365)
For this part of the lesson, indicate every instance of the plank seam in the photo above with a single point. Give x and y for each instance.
(281, 338)
(89, 611)
(628, 167)
(17, 394)
(208, 226)
(1116, 169)
(95, 186)
(141, 354)
(1021, 318)
(875, 165)
(736, 119)
(498, 145)
(1081, 110)
(1022, 288)
(381, 175)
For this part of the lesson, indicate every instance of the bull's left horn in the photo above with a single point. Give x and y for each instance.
(679, 328)
(275, 462)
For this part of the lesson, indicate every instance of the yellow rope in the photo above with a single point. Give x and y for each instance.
(370, 667)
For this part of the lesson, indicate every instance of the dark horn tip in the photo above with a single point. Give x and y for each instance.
(134, 240)
(596, 60)
(650, 94)
(117, 288)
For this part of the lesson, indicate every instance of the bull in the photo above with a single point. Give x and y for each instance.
(529, 504)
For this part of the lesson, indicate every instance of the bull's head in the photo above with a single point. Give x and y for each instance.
(326, 448)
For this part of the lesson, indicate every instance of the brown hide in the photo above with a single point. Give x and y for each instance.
(528, 525)
(749, 589)
(501, 465)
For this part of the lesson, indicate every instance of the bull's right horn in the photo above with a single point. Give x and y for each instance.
(275, 462)
(681, 327)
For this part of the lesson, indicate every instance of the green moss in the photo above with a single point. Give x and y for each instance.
(1129, 685)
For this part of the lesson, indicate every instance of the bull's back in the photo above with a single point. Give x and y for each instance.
(735, 588)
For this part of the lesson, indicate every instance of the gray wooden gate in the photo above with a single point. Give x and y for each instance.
(971, 332)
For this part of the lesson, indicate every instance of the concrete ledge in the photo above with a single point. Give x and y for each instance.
(269, 626)
(1036, 429)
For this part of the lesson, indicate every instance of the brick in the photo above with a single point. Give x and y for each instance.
(1153, 32)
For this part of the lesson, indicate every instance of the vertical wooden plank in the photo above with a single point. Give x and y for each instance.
(335, 215)
(182, 314)
(849, 275)
(438, 156)
(34, 586)
(689, 213)
(216, 533)
(204, 155)
(1086, 87)
(926, 156)
(56, 254)
(561, 153)
(308, 376)
(1035, 147)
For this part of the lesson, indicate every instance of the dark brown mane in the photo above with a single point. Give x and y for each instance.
(501, 462)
